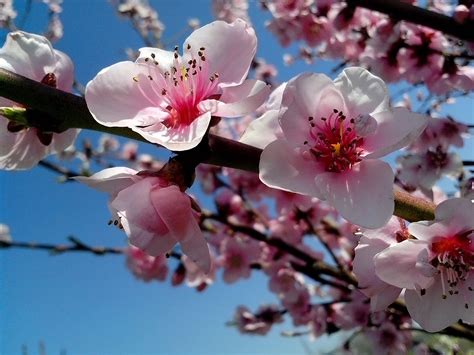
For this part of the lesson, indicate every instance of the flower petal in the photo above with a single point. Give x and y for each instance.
(262, 131)
(151, 55)
(281, 168)
(111, 180)
(396, 265)
(364, 93)
(177, 139)
(363, 195)
(433, 312)
(28, 54)
(122, 96)
(239, 100)
(64, 71)
(307, 95)
(174, 207)
(396, 128)
(229, 49)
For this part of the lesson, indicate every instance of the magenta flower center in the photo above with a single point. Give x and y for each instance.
(334, 142)
(187, 84)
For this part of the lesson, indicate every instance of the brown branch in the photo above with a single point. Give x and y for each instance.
(399, 10)
(76, 245)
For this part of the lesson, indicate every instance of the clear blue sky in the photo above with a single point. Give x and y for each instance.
(93, 305)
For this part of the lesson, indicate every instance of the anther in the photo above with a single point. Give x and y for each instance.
(115, 222)
(152, 55)
(150, 77)
(135, 79)
(202, 48)
(188, 46)
(163, 92)
(310, 118)
(423, 291)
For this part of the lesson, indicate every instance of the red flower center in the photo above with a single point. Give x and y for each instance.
(334, 142)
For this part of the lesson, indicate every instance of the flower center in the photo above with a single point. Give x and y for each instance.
(334, 142)
(454, 259)
(184, 87)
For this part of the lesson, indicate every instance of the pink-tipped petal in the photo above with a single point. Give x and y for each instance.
(174, 207)
(363, 195)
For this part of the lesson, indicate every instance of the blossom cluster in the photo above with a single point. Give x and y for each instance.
(321, 175)
(394, 50)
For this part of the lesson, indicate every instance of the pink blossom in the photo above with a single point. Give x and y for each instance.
(436, 268)
(386, 339)
(424, 169)
(259, 323)
(169, 99)
(347, 315)
(30, 55)
(334, 133)
(231, 10)
(422, 57)
(370, 244)
(440, 132)
(237, 255)
(154, 214)
(146, 267)
(195, 277)
(318, 322)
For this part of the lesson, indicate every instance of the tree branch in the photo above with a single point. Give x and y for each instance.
(76, 245)
(399, 10)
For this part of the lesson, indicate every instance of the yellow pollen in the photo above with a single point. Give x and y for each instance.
(337, 148)
(183, 73)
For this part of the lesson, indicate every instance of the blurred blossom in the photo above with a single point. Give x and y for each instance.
(5, 233)
(144, 266)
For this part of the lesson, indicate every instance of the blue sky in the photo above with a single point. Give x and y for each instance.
(93, 305)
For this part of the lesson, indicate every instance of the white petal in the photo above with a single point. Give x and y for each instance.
(229, 49)
(396, 129)
(239, 100)
(28, 54)
(263, 130)
(396, 265)
(115, 99)
(281, 168)
(111, 180)
(434, 313)
(363, 195)
(363, 92)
